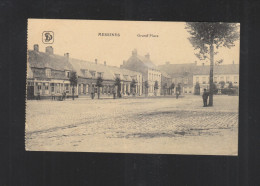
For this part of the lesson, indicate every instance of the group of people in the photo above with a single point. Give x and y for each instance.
(61, 98)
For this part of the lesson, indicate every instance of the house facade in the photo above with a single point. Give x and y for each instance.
(151, 75)
(47, 74)
(88, 73)
(223, 75)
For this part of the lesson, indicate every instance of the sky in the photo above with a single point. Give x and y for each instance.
(80, 39)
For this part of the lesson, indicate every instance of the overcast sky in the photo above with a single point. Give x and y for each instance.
(80, 39)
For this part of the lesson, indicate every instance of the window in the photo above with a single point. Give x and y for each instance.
(52, 87)
(48, 72)
(185, 80)
(221, 78)
(87, 88)
(47, 86)
(215, 79)
(227, 79)
(204, 80)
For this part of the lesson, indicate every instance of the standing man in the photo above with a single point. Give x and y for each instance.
(205, 96)
(177, 94)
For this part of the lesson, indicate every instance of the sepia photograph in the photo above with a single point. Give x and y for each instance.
(149, 87)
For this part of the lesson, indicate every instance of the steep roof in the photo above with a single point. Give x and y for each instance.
(147, 62)
(165, 74)
(44, 60)
(218, 69)
(108, 72)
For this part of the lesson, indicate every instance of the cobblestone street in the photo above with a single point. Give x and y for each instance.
(136, 125)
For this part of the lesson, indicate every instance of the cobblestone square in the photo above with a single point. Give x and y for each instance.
(163, 125)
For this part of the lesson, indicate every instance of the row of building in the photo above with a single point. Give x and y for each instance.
(49, 74)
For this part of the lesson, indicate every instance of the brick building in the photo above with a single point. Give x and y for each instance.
(47, 73)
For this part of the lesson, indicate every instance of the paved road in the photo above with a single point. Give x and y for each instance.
(163, 125)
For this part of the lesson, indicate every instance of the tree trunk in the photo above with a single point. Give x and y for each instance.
(73, 92)
(98, 92)
(211, 75)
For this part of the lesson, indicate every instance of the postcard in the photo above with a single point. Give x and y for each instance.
(149, 87)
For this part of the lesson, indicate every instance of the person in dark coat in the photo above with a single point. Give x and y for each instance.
(205, 96)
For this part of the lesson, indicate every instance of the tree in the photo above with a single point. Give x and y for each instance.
(230, 85)
(215, 89)
(164, 88)
(99, 84)
(179, 88)
(197, 89)
(146, 85)
(73, 82)
(206, 37)
(172, 87)
(156, 87)
(133, 86)
(118, 85)
(222, 84)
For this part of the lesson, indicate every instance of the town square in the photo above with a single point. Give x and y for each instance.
(143, 97)
(146, 125)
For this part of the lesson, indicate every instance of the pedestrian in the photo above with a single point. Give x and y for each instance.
(64, 95)
(53, 96)
(205, 96)
(38, 96)
(114, 94)
(177, 94)
(92, 94)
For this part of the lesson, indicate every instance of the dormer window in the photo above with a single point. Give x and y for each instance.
(84, 72)
(117, 75)
(48, 72)
(125, 77)
(93, 74)
(100, 74)
(67, 74)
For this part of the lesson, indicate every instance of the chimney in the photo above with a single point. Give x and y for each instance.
(233, 62)
(147, 56)
(105, 63)
(67, 55)
(167, 62)
(195, 62)
(95, 61)
(134, 52)
(202, 64)
(49, 50)
(36, 48)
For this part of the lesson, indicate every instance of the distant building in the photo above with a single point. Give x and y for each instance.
(150, 73)
(181, 74)
(221, 73)
(47, 73)
(166, 84)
